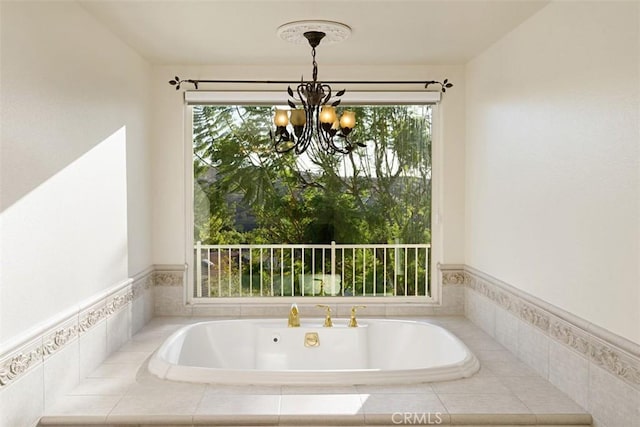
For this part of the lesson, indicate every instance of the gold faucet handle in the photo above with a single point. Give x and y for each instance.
(327, 319)
(353, 323)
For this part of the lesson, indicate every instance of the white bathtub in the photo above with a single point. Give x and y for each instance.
(266, 351)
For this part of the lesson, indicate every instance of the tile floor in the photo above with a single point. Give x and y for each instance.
(504, 392)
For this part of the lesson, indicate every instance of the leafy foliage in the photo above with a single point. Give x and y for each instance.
(245, 192)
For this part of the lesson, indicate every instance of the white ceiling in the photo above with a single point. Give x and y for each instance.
(227, 32)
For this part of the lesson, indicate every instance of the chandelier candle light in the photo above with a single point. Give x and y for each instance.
(317, 120)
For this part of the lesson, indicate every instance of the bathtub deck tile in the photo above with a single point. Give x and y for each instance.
(326, 420)
(121, 391)
(102, 387)
(150, 419)
(495, 355)
(256, 404)
(303, 389)
(86, 408)
(541, 397)
(506, 420)
(131, 357)
(480, 403)
(115, 370)
(321, 409)
(389, 409)
(408, 418)
(509, 368)
(395, 389)
(73, 420)
(148, 344)
(235, 420)
(243, 389)
(152, 399)
(473, 385)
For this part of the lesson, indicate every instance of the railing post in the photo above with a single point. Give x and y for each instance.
(333, 258)
(199, 269)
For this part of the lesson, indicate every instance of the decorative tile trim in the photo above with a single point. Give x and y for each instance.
(20, 362)
(168, 278)
(597, 348)
(615, 361)
(453, 278)
(91, 317)
(535, 317)
(24, 358)
(571, 336)
(119, 301)
(61, 336)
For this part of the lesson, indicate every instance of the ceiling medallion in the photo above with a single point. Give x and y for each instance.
(293, 32)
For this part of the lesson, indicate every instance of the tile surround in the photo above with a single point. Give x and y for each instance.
(146, 400)
(21, 395)
(93, 348)
(612, 402)
(514, 321)
(66, 361)
(53, 360)
(596, 368)
(570, 372)
(533, 348)
(506, 330)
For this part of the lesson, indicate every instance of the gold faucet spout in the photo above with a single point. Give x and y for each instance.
(294, 317)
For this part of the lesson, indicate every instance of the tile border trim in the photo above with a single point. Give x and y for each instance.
(171, 275)
(611, 352)
(33, 347)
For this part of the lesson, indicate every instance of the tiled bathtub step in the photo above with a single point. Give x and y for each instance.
(463, 420)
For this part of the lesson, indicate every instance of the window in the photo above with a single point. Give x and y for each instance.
(267, 224)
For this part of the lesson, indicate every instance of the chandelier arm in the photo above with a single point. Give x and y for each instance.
(326, 89)
(300, 90)
(326, 140)
(303, 142)
(307, 134)
(347, 145)
(283, 137)
(336, 148)
(321, 140)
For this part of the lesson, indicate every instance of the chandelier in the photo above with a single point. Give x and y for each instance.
(313, 120)
(317, 122)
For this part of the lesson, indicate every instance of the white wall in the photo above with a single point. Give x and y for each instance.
(552, 161)
(75, 204)
(168, 153)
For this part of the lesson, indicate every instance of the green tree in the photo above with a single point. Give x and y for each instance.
(373, 195)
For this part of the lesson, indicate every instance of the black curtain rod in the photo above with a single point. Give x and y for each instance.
(443, 85)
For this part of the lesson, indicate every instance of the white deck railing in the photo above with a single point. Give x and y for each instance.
(312, 270)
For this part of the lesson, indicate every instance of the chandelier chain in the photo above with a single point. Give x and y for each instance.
(315, 64)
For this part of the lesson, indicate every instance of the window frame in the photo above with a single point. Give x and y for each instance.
(193, 98)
